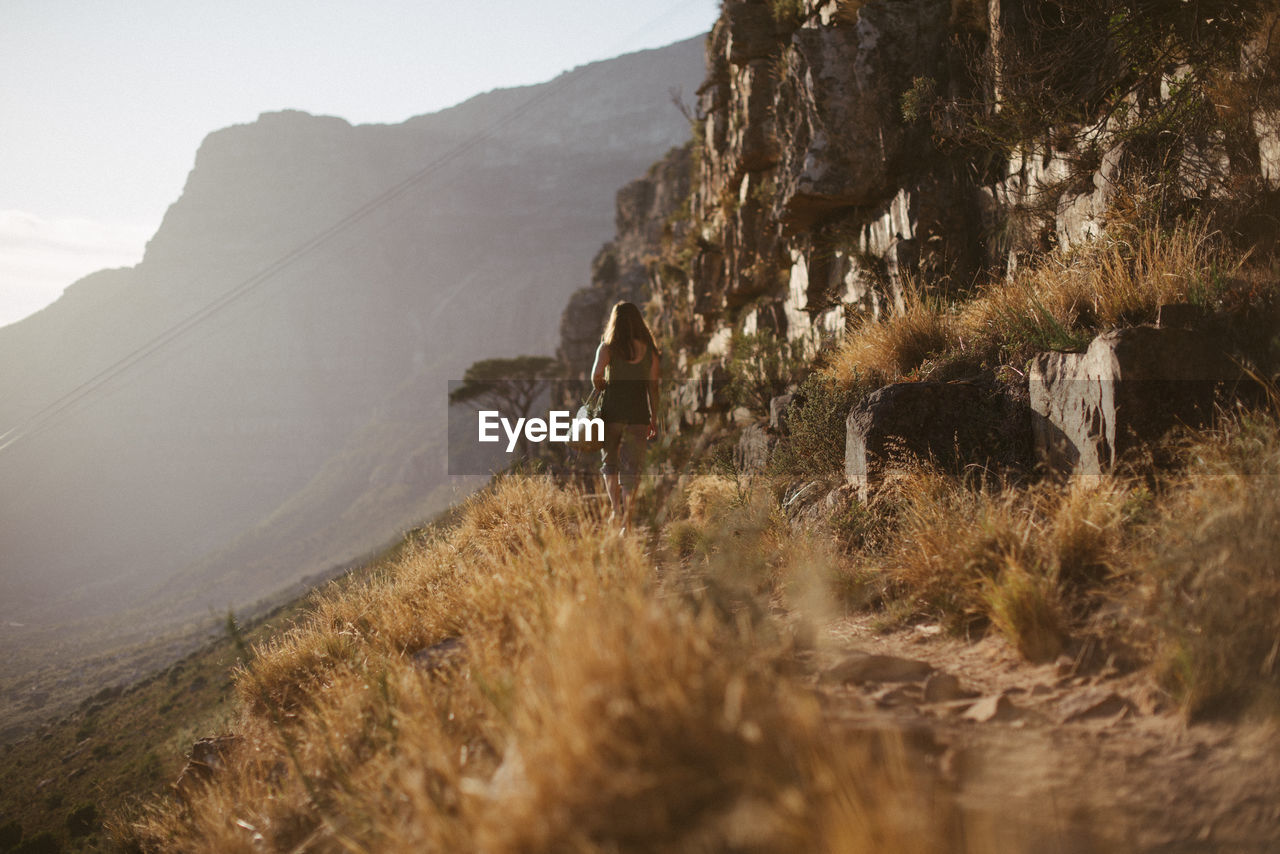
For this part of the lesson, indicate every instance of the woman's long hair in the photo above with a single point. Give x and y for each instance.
(626, 325)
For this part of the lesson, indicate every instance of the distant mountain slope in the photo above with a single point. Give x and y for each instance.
(319, 394)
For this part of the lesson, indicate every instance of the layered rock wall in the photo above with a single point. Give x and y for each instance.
(622, 269)
(833, 177)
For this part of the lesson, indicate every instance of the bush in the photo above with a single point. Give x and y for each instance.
(1116, 281)
(882, 352)
(1024, 560)
(1218, 599)
(816, 421)
(761, 367)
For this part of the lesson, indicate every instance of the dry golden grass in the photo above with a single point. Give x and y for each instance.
(1020, 558)
(1188, 572)
(587, 710)
(594, 701)
(1108, 283)
(1058, 304)
(1216, 574)
(878, 353)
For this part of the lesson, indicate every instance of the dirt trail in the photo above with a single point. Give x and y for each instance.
(1049, 759)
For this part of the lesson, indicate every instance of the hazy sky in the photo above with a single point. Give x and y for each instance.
(104, 103)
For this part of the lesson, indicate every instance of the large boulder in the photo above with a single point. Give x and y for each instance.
(1129, 387)
(779, 413)
(704, 390)
(839, 111)
(948, 423)
(751, 453)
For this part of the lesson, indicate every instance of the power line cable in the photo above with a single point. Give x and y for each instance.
(48, 415)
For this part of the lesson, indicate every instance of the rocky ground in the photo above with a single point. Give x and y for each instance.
(1056, 757)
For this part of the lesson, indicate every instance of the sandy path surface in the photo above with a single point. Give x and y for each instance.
(1055, 758)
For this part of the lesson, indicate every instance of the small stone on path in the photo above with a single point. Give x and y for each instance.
(994, 708)
(862, 667)
(1093, 707)
(943, 688)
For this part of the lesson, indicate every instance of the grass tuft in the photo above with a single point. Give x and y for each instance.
(1059, 304)
(881, 352)
(1218, 578)
(1023, 559)
(586, 705)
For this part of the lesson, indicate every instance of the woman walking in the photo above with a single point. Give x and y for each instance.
(627, 370)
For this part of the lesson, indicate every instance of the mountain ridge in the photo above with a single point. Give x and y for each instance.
(203, 441)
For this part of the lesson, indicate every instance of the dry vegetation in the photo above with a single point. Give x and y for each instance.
(1175, 569)
(1167, 564)
(1120, 280)
(1215, 574)
(587, 704)
(1019, 558)
(529, 682)
(881, 353)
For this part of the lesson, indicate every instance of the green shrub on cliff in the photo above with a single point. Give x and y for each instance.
(761, 366)
(787, 14)
(815, 440)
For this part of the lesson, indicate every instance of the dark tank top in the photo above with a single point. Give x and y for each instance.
(626, 393)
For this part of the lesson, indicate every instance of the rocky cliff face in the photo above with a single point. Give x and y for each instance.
(809, 196)
(848, 155)
(301, 422)
(813, 195)
(621, 270)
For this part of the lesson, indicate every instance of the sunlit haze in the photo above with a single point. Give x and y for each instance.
(106, 103)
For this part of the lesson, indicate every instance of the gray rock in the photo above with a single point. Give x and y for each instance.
(944, 688)
(779, 408)
(706, 388)
(1080, 216)
(840, 104)
(439, 655)
(1128, 388)
(753, 146)
(1179, 314)
(1266, 125)
(751, 454)
(862, 667)
(898, 695)
(1257, 53)
(1094, 706)
(995, 708)
(948, 423)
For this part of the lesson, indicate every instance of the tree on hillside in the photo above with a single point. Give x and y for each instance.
(510, 386)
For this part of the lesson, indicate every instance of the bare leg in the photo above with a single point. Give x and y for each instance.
(628, 504)
(617, 505)
(631, 453)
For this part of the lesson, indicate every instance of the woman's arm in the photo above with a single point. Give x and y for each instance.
(655, 375)
(597, 369)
